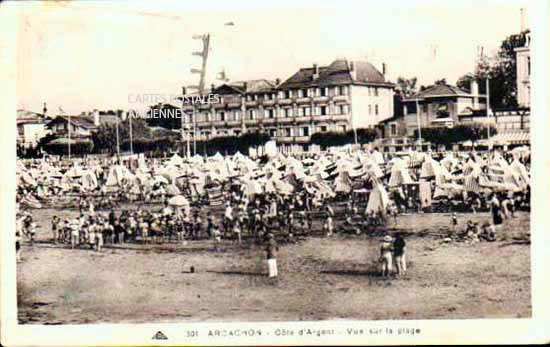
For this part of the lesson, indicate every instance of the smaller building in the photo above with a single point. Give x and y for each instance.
(80, 126)
(31, 127)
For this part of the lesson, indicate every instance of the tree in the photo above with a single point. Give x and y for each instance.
(406, 87)
(501, 72)
(459, 133)
(332, 139)
(104, 137)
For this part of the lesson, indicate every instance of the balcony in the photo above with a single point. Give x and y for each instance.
(268, 102)
(302, 139)
(285, 101)
(339, 117)
(284, 139)
(303, 119)
(233, 123)
(251, 121)
(286, 120)
(252, 103)
(234, 105)
(268, 121)
(304, 100)
(321, 99)
(340, 98)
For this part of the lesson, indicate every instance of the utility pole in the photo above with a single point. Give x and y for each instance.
(418, 123)
(117, 140)
(204, 55)
(131, 140)
(69, 127)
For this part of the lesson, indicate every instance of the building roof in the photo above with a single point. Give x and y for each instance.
(338, 72)
(440, 90)
(79, 121)
(250, 86)
(26, 116)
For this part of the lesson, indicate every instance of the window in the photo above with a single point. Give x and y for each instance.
(237, 115)
(305, 131)
(528, 66)
(305, 111)
(273, 132)
(370, 110)
(323, 91)
(341, 90)
(323, 128)
(288, 112)
(342, 109)
(269, 113)
(207, 117)
(237, 132)
(269, 96)
(222, 116)
(393, 129)
(287, 94)
(304, 93)
(425, 108)
(376, 110)
(375, 91)
(288, 131)
(323, 111)
(343, 128)
(255, 97)
(251, 114)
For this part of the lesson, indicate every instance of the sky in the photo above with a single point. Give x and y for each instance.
(82, 55)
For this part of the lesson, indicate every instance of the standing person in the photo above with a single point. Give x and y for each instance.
(228, 217)
(271, 252)
(237, 231)
(119, 231)
(399, 254)
(454, 221)
(217, 234)
(17, 245)
(329, 225)
(74, 234)
(386, 249)
(55, 229)
(496, 211)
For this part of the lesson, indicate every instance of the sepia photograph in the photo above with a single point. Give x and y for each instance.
(186, 163)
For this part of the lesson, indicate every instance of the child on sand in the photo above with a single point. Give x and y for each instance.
(386, 249)
(271, 252)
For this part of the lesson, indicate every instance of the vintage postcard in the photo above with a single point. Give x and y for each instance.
(274, 173)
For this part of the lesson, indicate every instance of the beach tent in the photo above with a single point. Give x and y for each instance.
(117, 174)
(399, 175)
(378, 199)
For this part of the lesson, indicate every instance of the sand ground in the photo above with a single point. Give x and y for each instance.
(320, 278)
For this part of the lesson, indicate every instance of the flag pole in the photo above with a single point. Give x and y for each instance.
(69, 126)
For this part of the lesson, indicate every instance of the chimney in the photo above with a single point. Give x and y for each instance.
(474, 90)
(277, 82)
(212, 87)
(45, 110)
(384, 69)
(315, 71)
(353, 71)
(183, 91)
(245, 85)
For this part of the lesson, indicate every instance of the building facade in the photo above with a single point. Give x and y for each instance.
(523, 71)
(335, 98)
(437, 105)
(31, 127)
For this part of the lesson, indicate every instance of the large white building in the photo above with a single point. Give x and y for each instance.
(523, 66)
(338, 97)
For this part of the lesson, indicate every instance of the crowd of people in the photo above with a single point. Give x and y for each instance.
(284, 199)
